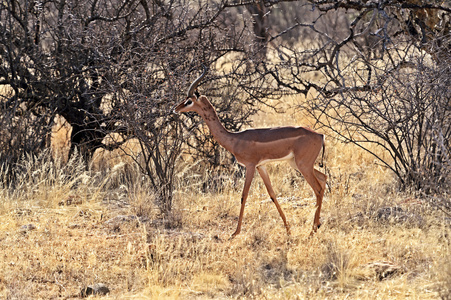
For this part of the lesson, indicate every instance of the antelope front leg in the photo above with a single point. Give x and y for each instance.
(250, 171)
(264, 175)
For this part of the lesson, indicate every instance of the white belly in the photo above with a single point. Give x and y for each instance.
(290, 156)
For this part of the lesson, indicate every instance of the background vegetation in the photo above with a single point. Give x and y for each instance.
(100, 182)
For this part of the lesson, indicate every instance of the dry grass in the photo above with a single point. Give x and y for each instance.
(60, 233)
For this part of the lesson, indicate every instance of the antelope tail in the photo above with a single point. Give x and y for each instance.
(321, 164)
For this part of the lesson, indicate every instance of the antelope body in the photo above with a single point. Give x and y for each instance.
(253, 148)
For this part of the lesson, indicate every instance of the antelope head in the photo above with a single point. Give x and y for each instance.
(190, 102)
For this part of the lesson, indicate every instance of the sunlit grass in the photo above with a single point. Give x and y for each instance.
(75, 238)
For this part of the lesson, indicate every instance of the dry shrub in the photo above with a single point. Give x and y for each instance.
(339, 266)
(40, 179)
(141, 199)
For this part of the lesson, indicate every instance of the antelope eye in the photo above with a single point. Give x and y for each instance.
(188, 102)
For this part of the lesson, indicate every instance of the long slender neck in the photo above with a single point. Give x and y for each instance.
(221, 135)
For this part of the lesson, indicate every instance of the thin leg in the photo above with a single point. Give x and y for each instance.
(264, 175)
(250, 171)
(322, 178)
(318, 185)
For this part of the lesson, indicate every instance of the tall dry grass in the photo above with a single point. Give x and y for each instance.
(65, 226)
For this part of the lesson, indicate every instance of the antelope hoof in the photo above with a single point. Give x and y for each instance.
(315, 228)
(234, 235)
